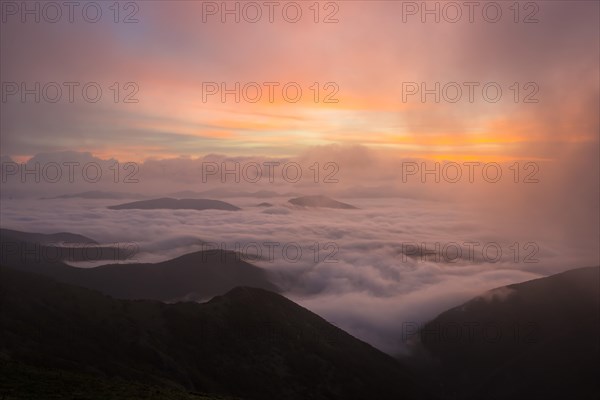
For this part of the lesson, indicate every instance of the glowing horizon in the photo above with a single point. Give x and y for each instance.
(175, 59)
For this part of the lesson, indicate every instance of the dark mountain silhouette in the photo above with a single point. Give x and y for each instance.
(62, 246)
(199, 275)
(44, 238)
(176, 204)
(97, 194)
(195, 276)
(320, 201)
(250, 343)
(224, 192)
(533, 340)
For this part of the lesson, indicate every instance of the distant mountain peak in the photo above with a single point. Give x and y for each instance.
(45, 238)
(168, 203)
(320, 201)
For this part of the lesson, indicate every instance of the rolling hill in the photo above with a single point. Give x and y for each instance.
(320, 201)
(538, 340)
(97, 194)
(200, 275)
(249, 343)
(62, 246)
(168, 203)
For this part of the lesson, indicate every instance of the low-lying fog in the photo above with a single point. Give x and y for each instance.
(367, 270)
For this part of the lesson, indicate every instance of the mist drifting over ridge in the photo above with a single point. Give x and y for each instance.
(359, 264)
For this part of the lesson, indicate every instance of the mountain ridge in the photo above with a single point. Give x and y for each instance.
(320, 201)
(198, 275)
(515, 340)
(226, 346)
(168, 203)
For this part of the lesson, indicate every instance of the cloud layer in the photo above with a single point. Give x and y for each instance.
(368, 270)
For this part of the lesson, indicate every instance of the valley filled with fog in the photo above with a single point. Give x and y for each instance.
(370, 270)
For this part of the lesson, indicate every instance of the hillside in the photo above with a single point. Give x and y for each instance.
(62, 246)
(200, 275)
(320, 201)
(249, 343)
(176, 204)
(536, 339)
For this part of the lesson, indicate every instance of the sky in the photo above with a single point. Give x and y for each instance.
(365, 60)
(362, 120)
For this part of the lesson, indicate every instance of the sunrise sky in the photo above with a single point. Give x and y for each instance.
(368, 54)
(544, 56)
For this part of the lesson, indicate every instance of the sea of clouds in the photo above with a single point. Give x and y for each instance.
(359, 277)
(359, 268)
